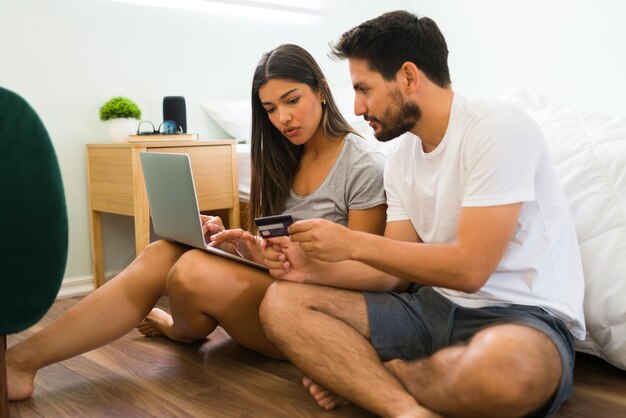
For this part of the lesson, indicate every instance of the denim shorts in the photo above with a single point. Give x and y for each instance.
(417, 323)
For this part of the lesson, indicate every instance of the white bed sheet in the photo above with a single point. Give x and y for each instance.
(243, 171)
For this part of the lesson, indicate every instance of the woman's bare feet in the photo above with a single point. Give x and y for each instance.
(159, 322)
(324, 398)
(21, 381)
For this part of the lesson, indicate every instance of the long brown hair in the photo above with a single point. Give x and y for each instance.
(275, 159)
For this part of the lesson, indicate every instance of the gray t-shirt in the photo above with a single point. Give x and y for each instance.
(354, 182)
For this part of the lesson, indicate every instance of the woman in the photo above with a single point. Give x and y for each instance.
(306, 161)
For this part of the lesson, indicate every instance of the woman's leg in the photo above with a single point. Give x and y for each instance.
(206, 290)
(100, 318)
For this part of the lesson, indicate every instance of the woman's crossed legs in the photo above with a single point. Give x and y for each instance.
(206, 291)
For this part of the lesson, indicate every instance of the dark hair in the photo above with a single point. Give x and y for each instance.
(394, 38)
(274, 159)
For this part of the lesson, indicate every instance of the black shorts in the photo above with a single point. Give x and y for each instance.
(419, 322)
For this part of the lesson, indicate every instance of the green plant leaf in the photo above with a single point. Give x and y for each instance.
(119, 107)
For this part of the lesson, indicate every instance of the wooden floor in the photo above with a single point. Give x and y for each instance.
(154, 377)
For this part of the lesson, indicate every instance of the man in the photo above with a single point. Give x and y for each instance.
(479, 256)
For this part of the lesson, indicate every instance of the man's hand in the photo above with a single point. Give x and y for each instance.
(323, 240)
(244, 243)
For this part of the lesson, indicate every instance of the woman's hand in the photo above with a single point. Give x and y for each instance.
(211, 225)
(286, 261)
(243, 242)
(323, 240)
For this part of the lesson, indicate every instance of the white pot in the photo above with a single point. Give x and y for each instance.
(120, 128)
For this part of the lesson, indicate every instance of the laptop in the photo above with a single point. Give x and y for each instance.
(174, 204)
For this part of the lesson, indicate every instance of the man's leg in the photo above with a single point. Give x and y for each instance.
(325, 333)
(503, 371)
(100, 318)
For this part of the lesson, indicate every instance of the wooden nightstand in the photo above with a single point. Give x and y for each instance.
(116, 185)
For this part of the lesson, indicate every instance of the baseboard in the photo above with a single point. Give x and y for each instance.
(79, 285)
(76, 286)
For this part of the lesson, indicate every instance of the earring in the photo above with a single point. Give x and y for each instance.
(324, 102)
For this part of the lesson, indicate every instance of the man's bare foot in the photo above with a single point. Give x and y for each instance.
(324, 398)
(21, 382)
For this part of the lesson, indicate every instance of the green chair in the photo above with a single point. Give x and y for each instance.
(33, 223)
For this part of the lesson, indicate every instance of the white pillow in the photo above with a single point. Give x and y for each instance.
(233, 116)
(589, 153)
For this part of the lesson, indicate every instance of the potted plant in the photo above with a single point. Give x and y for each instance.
(121, 115)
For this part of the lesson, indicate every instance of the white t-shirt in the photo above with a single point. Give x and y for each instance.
(493, 154)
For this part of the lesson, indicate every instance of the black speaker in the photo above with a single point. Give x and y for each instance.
(174, 109)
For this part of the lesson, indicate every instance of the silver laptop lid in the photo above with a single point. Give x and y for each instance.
(172, 196)
(174, 204)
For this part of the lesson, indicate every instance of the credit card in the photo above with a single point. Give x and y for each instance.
(273, 226)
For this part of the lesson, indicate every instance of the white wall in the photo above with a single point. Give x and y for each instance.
(67, 57)
(570, 49)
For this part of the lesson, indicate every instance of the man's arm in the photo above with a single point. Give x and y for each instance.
(287, 261)
(483, 234)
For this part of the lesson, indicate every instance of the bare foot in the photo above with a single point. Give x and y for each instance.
(324, 398)
(159, 322)
(21, 382)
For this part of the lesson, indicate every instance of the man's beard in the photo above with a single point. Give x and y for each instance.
(400, 117)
